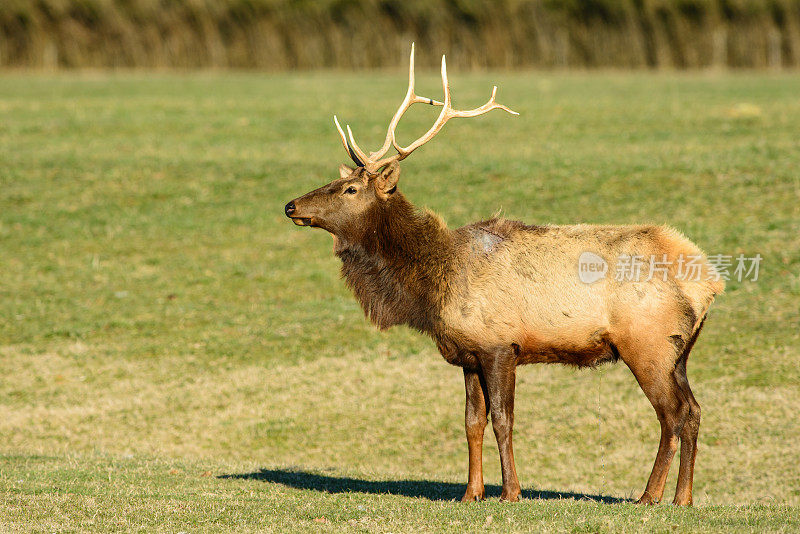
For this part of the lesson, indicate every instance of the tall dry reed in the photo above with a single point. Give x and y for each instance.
(290, 34)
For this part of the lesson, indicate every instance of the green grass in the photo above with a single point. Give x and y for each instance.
(176, 355)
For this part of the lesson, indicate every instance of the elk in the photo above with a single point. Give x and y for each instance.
(498, 293)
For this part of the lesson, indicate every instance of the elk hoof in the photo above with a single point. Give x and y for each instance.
(510, 495)
(682, 502)
(646, 499)
(473, 496)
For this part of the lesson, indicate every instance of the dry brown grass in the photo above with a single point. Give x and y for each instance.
(304, 415)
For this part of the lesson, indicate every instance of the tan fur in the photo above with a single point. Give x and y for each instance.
(526, 290)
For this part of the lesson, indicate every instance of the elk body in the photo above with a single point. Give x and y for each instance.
(497, 294)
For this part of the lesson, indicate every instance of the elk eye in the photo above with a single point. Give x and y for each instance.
(351, 190)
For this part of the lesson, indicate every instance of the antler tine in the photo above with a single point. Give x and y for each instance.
(488, 106)
(347, 146)
(361, 155)
(444, 115)
(410, 99)
(403, 152)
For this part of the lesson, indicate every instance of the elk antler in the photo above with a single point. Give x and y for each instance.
(372, 163)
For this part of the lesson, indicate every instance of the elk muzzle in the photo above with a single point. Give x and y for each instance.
(290, 210)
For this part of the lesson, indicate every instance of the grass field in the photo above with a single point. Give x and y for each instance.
(175, 355)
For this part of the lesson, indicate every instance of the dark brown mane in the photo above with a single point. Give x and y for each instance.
(397, 268)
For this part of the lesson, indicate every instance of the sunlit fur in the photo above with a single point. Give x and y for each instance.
(496, 294)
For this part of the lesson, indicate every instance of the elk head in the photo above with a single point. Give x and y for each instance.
(358, 191)
(336, 206)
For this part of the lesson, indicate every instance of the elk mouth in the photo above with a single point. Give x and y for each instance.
(302, 221)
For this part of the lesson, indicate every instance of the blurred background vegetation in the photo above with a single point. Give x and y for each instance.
(347, 34)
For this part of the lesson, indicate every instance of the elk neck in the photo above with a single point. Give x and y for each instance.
(398, 264)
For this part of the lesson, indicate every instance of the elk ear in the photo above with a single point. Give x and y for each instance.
(386, 183)
(345, 171)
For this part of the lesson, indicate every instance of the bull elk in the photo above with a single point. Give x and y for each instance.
(498, 293)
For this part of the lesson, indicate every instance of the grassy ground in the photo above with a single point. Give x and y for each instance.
(175, 355)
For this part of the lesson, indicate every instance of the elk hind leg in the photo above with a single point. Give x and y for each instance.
(652, 362)
(683, 492)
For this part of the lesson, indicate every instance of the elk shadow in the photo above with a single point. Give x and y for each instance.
(426, 489)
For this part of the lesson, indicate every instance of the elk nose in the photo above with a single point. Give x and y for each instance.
(289, 209)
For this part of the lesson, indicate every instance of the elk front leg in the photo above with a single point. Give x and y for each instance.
(475, 424)
(500, 373)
